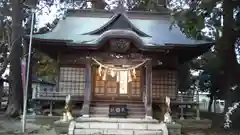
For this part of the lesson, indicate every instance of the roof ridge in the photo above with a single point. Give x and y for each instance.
(69, 12)
(112, 20)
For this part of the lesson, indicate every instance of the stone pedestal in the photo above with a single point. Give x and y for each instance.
(174, 129)
(195, 124)
(61, 127)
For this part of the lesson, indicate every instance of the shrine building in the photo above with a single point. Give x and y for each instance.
(108, 57)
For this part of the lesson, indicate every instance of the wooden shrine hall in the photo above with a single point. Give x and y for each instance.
(126, 58)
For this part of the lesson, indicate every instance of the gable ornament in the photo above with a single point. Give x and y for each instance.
(119, 45)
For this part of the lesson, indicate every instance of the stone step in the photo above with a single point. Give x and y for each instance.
(122, 126)
(132, 105)
(106, 112)
(129, 112)
(128, 107)
(116, 126)
(135, 110)
(117, 120)
(106, 115)
(115, 132)
(106, 109)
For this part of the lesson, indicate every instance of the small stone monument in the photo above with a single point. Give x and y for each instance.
(67, 116)
(167, 115)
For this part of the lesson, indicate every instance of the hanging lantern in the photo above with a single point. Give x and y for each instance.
(104, 75)
(100, 70)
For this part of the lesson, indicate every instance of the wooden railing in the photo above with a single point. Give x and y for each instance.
(187, 98)
(56, 95)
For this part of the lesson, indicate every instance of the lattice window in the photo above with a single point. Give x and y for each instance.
(136, 84)
(72, 80)
(99, 86)
(164, 84)
(111, 85)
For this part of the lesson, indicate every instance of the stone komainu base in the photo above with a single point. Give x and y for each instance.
(174, 129)
(195, 124)
(61, 127)
(114, 126)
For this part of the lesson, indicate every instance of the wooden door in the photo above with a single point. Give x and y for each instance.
(110, 89)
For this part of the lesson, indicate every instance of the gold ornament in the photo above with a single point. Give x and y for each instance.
(67, 116)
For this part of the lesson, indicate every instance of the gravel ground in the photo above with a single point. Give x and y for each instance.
(42, 126)
(13, 127)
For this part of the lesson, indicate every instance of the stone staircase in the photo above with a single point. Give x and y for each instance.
(116, 126)
(101, 109)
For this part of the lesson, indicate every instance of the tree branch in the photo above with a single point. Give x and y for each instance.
(4, 65)
(5, 9)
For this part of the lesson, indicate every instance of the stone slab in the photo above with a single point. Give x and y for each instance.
(104, 125)
(155, 126)
(145, 132)
(118, 132)
(116, 120)
(115, 132)
(82, 125)
(88, 132)
(133, 126)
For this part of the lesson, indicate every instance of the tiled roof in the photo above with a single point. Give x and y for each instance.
(86, 27)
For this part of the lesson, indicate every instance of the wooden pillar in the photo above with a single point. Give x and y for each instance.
(50, 108)
(148, 89)
(181, 114)
(57, 87)
(197, 113)
(181, 107)
(88, 88)
(198, 110)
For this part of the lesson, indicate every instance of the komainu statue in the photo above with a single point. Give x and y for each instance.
(167, 115)
(67, 116)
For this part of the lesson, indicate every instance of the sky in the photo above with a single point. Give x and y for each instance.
(47, 14)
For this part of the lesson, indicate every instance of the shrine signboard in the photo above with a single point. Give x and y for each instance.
(118, 111)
